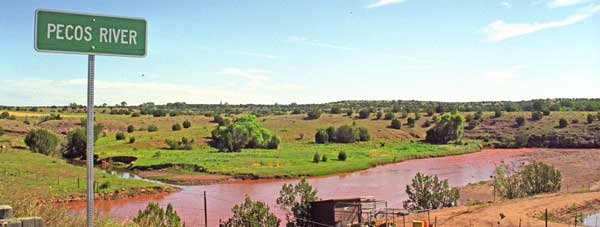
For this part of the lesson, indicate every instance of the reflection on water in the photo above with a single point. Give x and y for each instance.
(386, 182)
(128, 175)
(592, 220)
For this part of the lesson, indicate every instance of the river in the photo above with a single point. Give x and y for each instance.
(385, 182)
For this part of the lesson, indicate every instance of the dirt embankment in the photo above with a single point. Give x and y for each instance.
(119, 194)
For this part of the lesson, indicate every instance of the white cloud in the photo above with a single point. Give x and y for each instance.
(563, 3)
(506, 4)
(304, 40)
(500, 30)
(381, 3)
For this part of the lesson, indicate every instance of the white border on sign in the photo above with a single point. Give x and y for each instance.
(88, 53)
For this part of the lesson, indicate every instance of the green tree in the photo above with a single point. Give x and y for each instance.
(363, 134)
(411, 122)
(321, 136)
(429, 192)
(244, 132)
(316, 157)
(539, 178)
(364, 114)
(152, 128)
(346, 134)
(155, 216)
(389, 116)
(76, 143)
(563, 123)
(520, 120)
(342, 156)
(332, 133)
(120, 136)
(396, 124)
(130, 129)
(449, 128)
(313, 114)
(378, 115)
(498, 113)
(187, 124)
(251, 214)
(295, 200)
(349, 112)
(176, 127)
(42, 141)
(536, 115)
(5, 115)
(590, 118)
(336, 110)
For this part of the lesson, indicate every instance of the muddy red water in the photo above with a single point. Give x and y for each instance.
(386, 182)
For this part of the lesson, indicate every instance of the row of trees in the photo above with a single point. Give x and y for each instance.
(343, 134)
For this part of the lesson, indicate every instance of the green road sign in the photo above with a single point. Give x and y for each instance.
(65, 32)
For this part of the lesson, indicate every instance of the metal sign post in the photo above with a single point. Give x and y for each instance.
(89, 160)
(90, 34)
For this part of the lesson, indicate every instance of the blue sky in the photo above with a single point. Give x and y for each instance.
(317, 51)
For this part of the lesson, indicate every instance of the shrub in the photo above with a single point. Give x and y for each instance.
(4, 115)
(154, 215)
(379, 115)
(478, 115)
(389, 116)
(130, 129)
(590, 118)
(404, 114)
(42, 141)
(346, 134)
(472, 124)
(498, 113)
(532, 179)
(449, 128)
(546, 112)
(251, 213)
(324, 158)
(417, 116)
(120, 136)
(136, 114)
(152, 128)
(563, 123)
(104, 185)
(176, 127)
(132, 139)
(342, 156)
(313, 114)
(187, 124)
(77, 142)
(244, 132)
(332, 133)
(429, 192)
(363, 134)
(430, 112)
(316, 157)
(297, 111)
(295, 200)
(396, 124)
(364, 114)
(350, 112)
(520, 120)
(184, 144)
(336, 110)
(536, 116)
(411, 122)
(321, 136)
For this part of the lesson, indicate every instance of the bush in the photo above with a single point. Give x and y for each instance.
(346, 134)
(42, 141)
(546, 112)
(154, 215)
(296, 111)
(364, 114)
(532, 179)
(477, 115)
(244, 132)
(176, 127)
(536, 116)
(136, 114)
(363, 134)
(251, 213)
(396, 124)
(313, 114)
(417, 115)
(4, 115)
(120, 136)
(130, 129)
(498, 113)
(590, 118)
(132, 139)
(404, 114)
(324, 158)
(152, 128)
(77, 142)
(187, 124)
(449, 128)
(379, 115)
(563, 123)
(429, 192)
(335, 110)
(389, 116)
(316, 157)
(104, 185)
(321, 136)
(342, 156)
(184, 144)
(411, 122)
(350, 112)
(332, 133)
(520, 121)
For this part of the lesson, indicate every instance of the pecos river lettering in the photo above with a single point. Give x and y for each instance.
(57, 31)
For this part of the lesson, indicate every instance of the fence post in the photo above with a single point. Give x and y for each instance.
(205, 213)
(519, 222)
(546, 217)
(435, 221)
(403, 220)
(428, 217)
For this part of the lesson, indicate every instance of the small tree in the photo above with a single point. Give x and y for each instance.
(77, 142)
(346, 134)
(411, 122)
(546, 112)
(342, 156)
(335, 110)
(120, 136)
(135, 114)
(331, 132)
(590, 118)
(563, 123)
(364, 114)
(379, 115)
(176, 127)
(396, 124)
(152, 128)
(363, 134)
(539, 178)
(4, 115)
(154, 215)
(520, 120)
(429, 192)
(449, 128)
(478, 115)
(536, 115)
(313, 114)
(295, 200)
(132, 139)
(349, 112)
(42, 141)
(324, 158)
(130, 129)
(321, 136)
(417, 115)
(187, 124)
(389, 116)
(250, 214)
(316, 157)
